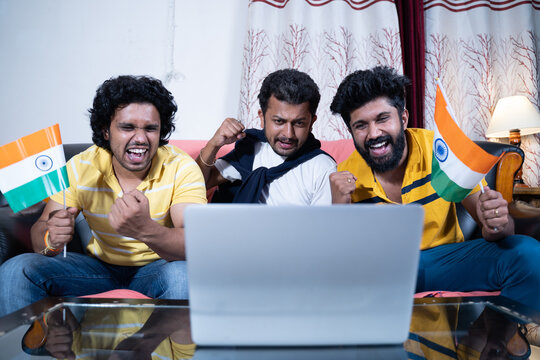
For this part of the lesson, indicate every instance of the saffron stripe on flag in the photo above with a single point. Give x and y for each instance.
(32, 167)
(458, 142)
(446, 188)
(36, 190)
(29, 145)
(457, 171)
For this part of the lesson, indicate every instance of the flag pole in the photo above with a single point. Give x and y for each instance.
(65, 250)
(64, 195)
(482, 191)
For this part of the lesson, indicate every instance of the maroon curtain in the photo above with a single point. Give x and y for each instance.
(411, 26)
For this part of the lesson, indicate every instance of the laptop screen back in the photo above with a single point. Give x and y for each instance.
(323, 275)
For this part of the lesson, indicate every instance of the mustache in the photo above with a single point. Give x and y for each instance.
(384, 138)
(138, 144)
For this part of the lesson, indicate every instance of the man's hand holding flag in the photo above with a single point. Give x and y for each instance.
(33, 168)
(458, 165)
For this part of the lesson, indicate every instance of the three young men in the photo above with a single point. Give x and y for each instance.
(132, 189)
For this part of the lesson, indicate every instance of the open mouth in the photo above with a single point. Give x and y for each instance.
(286, 145)
(379, 146)
(136, 154)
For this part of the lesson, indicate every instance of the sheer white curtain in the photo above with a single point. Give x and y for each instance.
(483, 51)
(326, 39)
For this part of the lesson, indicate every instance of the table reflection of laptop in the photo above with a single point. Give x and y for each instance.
(302, 353)
(287, 276)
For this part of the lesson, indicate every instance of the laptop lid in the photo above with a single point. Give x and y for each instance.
(322, 275)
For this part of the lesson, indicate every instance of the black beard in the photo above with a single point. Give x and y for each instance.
(388, 162)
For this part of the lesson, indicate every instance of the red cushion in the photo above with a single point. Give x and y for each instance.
(118, 294)
(455, 294)
(338, 149)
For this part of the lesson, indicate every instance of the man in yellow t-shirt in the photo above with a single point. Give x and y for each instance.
(132, 188)
(392, 164)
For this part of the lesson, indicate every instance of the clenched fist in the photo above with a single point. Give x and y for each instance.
(342, 184)
(130, 213)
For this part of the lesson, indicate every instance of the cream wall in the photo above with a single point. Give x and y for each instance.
(55, 53)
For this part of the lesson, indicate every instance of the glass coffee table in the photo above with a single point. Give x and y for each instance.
(81, 328)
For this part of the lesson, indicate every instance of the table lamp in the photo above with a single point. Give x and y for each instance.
(514, 116)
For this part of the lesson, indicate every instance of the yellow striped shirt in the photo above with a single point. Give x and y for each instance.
(440, 219)
(174, 178)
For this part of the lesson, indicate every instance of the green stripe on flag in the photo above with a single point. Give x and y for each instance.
(446, 188)
(36, 190)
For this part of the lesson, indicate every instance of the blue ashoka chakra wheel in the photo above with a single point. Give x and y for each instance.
(44, 163)
(441, 150)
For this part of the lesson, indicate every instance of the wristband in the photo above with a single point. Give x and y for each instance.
(49, 250)
(46, 239)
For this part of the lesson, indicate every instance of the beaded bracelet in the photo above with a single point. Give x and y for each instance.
(49, 250)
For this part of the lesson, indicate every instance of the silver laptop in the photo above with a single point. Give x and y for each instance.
(264, 275)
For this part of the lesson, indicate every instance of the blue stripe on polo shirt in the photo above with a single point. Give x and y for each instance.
(427, 199)
(373, 200)
(416, 184)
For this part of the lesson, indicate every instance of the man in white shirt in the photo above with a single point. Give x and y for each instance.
(281, 164)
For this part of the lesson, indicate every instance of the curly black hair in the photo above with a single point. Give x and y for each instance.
(121, 91)
(363, 86)
(292, 86)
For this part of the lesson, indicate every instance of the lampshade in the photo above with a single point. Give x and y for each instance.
(513, 113)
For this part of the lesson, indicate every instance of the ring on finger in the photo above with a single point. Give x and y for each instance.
(348, 180)
(496, 212)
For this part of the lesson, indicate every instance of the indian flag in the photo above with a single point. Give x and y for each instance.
(458, 164)
(33, 168)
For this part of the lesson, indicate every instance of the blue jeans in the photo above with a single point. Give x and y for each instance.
(509, 265)
(27, 278)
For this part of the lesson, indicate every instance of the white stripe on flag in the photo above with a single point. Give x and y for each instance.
(32, 167)
(457, 171)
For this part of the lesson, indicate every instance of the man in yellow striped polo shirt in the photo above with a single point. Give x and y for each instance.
(132, 188)
(392, 165)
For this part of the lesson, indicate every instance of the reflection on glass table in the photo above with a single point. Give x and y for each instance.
(119, 332)
(475, 328)
(469, 330)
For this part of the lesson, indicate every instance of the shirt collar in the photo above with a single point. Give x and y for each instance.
(364, 174)
(415, 151)
(157, 164)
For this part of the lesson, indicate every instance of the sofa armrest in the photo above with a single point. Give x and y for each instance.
(15, 230)
(507, 167)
